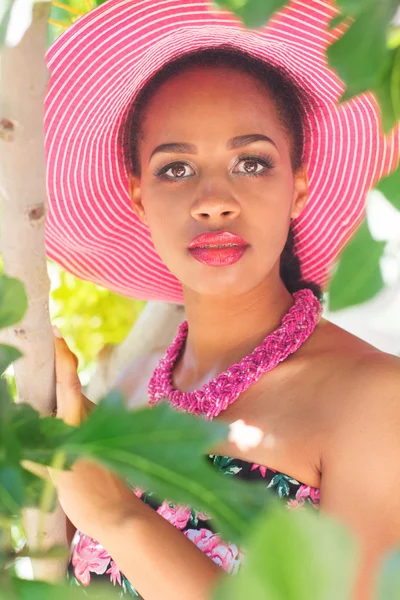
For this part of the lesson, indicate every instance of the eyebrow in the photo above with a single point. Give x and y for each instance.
(235, 142)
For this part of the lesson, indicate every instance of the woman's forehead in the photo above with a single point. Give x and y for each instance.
(209, 98)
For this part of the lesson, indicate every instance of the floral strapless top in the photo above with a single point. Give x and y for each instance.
(90, 560)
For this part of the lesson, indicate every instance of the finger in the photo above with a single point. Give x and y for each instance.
(68, 385)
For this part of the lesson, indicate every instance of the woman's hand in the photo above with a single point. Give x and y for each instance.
(92, 497)
(72, 406)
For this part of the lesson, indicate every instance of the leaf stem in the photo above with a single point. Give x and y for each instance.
(48, 494)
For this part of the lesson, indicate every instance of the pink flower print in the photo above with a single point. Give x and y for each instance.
(115, 573)
(178, 515)
(294, 504)
(227, 556)
(203, 516)
(138, 491)
(88, 556)
(263, 470)
(307, 492)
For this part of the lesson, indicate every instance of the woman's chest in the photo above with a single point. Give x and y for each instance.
(278, 422)
(281, 431)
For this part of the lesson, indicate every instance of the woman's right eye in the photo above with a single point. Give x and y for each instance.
(177, 171)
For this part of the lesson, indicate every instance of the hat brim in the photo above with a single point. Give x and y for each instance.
(98, 66)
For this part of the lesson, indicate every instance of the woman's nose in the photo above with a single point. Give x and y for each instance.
(215, 204)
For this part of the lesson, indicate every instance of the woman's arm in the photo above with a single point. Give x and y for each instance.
(361, 469)
(158, 559)
(155, 556)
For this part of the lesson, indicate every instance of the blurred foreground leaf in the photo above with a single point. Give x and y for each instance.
(359, 53)
(24, 435)
(12, 588)
(141, 446)
(389, 580)
(390, 188)
(358, 276)
(13, 301)
(8, 354)
(363, 57)
(387, 90)
(294, 556)
(252, 13)
(5, 14)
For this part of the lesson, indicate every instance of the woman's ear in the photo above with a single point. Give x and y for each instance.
(135, 193)
(300, 192)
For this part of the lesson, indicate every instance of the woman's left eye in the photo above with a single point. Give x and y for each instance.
(250, 165)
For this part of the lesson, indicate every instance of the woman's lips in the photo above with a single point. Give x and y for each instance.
(218, 257)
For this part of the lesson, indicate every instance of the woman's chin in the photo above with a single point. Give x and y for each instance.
(219, 286)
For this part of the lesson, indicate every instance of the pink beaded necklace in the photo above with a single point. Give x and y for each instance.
(216, 395)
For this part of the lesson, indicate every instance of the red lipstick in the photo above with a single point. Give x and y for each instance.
(218, 249)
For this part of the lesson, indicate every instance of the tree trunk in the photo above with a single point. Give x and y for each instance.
(22, 184)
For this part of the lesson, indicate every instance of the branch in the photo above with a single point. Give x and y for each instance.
(155, 328)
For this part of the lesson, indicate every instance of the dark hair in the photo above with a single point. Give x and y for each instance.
(292, 105)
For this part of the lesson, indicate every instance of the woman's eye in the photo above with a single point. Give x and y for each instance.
(177, 171)
(253, 165)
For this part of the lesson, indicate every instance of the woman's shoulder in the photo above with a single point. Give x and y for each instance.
(353, 356)
(359, 382)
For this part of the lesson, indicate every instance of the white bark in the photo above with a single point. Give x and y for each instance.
(155, 327)
(22, 188)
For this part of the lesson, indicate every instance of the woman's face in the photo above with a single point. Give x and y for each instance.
(247, 188)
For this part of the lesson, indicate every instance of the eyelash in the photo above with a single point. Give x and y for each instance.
(264, 159)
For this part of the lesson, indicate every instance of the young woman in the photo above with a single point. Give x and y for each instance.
(207, 167)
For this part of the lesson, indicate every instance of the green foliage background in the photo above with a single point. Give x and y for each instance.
(89, 316)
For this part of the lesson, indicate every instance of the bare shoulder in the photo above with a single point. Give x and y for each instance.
(132, 381)
(361, 387)
(354, 359)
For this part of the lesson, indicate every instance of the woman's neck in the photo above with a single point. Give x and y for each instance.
(224, 330)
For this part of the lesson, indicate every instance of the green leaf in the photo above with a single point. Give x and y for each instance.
(24, 435)
(253, 13)
(12, 588)
(40, 438)
(394, 37)
(390, 188)
(11, 490)
(33, 490)
(387, 90)
(5, 402)
(165, 451)
(358, 277)
(159, 449)
(8, 354)
(5, 14)
(293, 556)
(360, 53)
(13, 301)
(355, 7)
(335, 21)
(389, 576)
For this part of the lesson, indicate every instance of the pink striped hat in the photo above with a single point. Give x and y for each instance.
(98, 66)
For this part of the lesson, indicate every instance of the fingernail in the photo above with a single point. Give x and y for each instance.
(57, 332)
